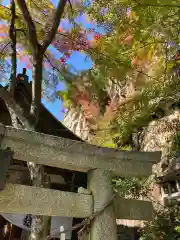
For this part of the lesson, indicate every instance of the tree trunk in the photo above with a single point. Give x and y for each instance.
(14, 119)
(12, 35)
(40, 224)
(36, 86)
(40, 227)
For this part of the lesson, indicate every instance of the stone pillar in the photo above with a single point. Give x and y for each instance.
(104, 225)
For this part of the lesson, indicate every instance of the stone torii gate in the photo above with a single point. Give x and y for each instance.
(99, 163)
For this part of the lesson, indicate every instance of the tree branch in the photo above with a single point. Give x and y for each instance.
(37, 61)
(12, 35)
(55, 23)
(69, 1)
(32, 35)
(36, 88)
(4, 48)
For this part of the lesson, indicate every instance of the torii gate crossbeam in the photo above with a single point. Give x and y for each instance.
(68, 154)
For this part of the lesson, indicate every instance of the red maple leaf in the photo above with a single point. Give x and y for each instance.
(59, 29)
(97, 36)
(134, 61)
(63, 60)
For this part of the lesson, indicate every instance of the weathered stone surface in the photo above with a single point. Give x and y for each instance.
(68, 154)
(104, 225)
(133, 209)
(131, 223)
(22, 199)
(16, 198)
(158, 136)
(5, 160)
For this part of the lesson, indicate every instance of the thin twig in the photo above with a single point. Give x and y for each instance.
(52, 64)
(69, 1)
(2, 51)
(37, 22)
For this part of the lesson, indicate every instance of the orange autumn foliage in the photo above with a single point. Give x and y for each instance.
(135, 61)
(128, 40)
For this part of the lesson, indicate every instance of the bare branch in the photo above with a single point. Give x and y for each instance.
(18, 16)
(32, 35)
(37, 61)
(12, 35)
(55, 23)
(69, 1)
(4, 48)
(53, 66)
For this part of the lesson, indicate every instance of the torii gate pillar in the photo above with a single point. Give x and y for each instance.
(104, 225)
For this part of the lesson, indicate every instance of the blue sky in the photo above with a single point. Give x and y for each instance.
(78, 60)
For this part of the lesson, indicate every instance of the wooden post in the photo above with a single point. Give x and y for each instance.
(104, 225)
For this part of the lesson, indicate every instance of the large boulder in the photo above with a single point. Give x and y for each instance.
(159, 136)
